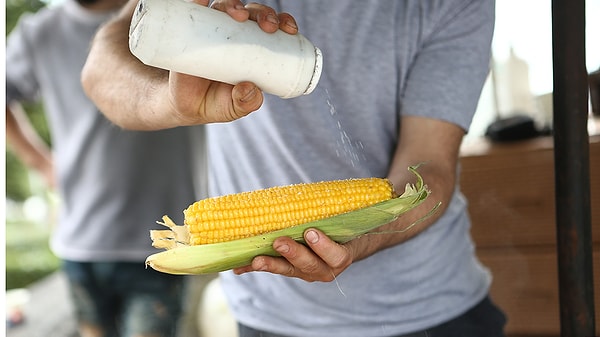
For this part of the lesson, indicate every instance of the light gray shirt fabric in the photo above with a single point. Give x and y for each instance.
(382, 60)
(114, 184)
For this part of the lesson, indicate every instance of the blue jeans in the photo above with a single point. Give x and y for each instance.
(124, 299)
(485, 319)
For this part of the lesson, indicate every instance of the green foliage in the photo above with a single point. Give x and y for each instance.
(17, 182)
(28, 256)
(15, 8)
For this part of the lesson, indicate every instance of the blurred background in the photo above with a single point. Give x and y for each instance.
(29, 205)
(520, 83)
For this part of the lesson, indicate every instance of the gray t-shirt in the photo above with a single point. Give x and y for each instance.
(382, 60)
(114, 184)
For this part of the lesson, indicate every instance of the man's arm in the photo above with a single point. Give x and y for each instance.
(436, 144)
(136, 96)
(27, 144)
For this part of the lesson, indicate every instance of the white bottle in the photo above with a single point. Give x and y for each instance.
(189, 38)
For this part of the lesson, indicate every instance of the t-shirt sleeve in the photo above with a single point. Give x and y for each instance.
(450, 68)
(21, 82)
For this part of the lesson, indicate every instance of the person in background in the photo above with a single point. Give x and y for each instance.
(400, 84)
(113, 184)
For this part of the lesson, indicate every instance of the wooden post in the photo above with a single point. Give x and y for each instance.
(572, 173)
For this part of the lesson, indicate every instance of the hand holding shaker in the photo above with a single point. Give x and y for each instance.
(189, 38)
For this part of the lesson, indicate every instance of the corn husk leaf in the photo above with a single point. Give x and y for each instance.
(211, 258)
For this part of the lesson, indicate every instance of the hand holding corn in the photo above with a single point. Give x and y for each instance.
(226, 232)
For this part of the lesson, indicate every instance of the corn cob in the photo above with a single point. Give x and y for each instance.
(212, 238)
(242, 215)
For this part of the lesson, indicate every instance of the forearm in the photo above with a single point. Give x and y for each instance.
(129, 93)
(436, 147)
(409, 225)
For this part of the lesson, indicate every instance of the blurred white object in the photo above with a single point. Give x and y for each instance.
(215, 318)
(544, 117)
(513, 88)
(17, 298)
(15, 301)
(36, 209)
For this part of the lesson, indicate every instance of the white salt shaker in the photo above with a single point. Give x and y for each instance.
(189, 38)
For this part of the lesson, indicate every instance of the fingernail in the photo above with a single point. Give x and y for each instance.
(239, 6)
(272, 19)
(312, 237)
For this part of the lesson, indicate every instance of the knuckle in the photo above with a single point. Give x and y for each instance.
(312, 267)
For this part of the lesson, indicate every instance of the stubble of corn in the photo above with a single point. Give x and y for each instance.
(242, 215)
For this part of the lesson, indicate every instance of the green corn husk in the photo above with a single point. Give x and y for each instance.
(211, 258)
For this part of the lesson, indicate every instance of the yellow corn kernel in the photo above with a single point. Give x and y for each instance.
(247, 214)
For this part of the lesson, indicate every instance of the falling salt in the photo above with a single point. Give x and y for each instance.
(346, 147)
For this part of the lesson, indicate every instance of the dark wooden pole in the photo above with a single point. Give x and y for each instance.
(572, 170)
